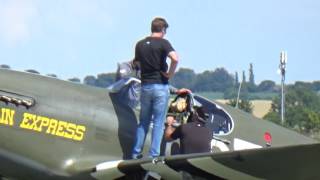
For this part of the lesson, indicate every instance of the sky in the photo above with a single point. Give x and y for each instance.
(76, 38)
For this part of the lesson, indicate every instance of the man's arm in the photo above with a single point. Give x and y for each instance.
(169, 128)
(173, 64)
(135, 64)
(174, 90)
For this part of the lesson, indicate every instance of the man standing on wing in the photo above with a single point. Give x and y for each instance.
(151, 53)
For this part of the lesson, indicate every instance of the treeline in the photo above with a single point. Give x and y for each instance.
(102, 80)
(218, 80)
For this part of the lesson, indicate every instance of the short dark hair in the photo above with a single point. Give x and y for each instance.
(159, 24)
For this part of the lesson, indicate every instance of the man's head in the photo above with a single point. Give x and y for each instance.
(179, 105)
(159, 25)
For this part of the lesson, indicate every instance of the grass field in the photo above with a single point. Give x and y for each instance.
(257, 95)
(260, 107)
(261, 101)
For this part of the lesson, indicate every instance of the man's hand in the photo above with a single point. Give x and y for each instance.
(165, 74)
(183, 91)
(170, 120)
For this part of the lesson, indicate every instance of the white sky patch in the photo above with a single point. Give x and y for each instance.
(76, 14)
(89, 9)
(15, 19)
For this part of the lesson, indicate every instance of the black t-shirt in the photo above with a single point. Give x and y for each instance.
(194, 138)
(152, 53)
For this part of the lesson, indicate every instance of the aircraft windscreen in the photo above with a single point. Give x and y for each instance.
(218, 120)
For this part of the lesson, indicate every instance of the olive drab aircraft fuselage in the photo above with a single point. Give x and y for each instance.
(55, 129)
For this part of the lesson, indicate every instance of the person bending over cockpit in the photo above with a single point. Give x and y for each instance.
(194, 136)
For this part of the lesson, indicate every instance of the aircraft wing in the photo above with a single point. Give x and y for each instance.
(290, 162)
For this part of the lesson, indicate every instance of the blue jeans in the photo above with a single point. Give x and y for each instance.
(154, 102)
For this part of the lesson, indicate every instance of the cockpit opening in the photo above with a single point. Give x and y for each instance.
(217, 119)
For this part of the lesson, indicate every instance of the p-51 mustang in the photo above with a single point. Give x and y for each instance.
(53, 129)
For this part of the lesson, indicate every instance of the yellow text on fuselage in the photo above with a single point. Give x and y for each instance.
(6, 117)
(52, 126)
(43, 124)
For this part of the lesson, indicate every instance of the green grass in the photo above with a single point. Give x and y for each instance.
(258, 95)
(263, 95)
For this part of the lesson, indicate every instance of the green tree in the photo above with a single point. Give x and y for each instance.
(243, 104)
(251, 75)
(4, 66)
(90, 80)
(236, 77)
(218, 80)
(75, 79)
(230, 93)
(267, 86)
(52, 75)
(302, 84)
(184, 78)
(105, 79)
(273, 116)
(244, 77)
(316, 85)
(302, 109)
(32, 71)
(251, 84)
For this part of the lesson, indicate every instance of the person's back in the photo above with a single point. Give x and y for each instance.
(195, 138)
(151, 53)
